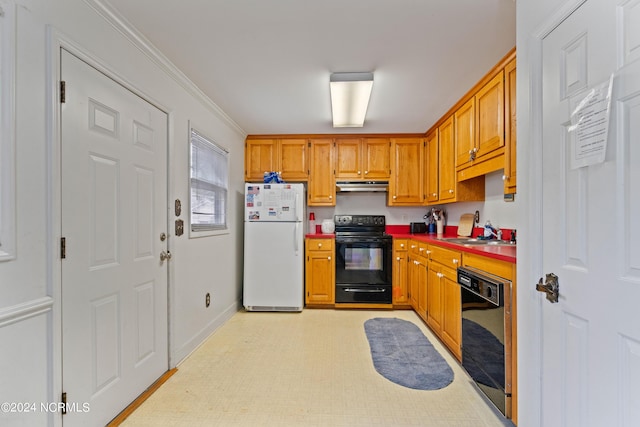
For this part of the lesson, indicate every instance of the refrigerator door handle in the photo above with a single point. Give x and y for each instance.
(297, 207)
(295, 237)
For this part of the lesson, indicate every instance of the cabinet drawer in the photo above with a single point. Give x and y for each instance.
(418, 248)
(446, 257)
(320, 244)
(400, 245)
(494, 266)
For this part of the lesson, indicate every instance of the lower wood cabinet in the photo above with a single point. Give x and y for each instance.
(443, 297)
(320, 275)
(417, 277)
(400, 272)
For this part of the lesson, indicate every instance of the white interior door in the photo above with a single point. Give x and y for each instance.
(591, 238)
(114, 208)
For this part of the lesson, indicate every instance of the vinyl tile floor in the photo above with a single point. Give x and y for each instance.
(312, 368)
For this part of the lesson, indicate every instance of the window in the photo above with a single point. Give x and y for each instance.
(209, 185)
(7, 136)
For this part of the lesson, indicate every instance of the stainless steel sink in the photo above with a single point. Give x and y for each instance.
(476, 242)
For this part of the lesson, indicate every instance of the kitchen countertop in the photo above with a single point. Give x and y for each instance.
(502, 253)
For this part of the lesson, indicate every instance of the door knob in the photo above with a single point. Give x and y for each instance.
(165, 256)
(550, 287)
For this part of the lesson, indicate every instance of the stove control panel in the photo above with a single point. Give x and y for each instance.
(359, 220)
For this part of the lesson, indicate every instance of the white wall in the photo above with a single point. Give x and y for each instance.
(30, 361)
(502, 214)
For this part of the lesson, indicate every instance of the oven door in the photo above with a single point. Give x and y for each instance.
(363, 270)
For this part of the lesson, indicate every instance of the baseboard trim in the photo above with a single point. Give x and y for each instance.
(140, 399)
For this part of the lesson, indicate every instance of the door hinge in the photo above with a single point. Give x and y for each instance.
(63, 92)
(63, 399)
(63, 247)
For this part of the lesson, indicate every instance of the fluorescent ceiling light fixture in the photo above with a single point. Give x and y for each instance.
(350, 93)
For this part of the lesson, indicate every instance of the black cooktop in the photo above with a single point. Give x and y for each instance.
(360, 224)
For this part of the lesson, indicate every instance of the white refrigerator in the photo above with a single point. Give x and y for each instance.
(273, 247)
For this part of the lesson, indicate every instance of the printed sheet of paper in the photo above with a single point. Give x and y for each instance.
(590, 125)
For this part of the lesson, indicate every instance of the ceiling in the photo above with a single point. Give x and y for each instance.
(266, 63)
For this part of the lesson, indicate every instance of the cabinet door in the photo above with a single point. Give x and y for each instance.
(465, 132)
(434, 297)
(348, 158)
(451, 312)
(447, 170)
(490, 117)
(431, 167)
(261, 155)
(510, 128)
(400, 278)
(405, 185)
(319, 271)
(322, 183)
(294, 159)
(423, 296)
(376, 158)
(413, 282)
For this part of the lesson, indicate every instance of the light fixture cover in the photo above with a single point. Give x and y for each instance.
(350, 93)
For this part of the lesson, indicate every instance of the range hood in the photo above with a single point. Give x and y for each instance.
(362, 186)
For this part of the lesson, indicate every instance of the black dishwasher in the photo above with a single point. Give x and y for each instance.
(486, 334)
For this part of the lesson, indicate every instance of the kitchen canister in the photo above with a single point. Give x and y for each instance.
(328, 226)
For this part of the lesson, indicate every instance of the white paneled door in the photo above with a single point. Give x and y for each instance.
(591, 237)
(114, 210)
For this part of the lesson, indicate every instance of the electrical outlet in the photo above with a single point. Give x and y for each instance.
(207, 300)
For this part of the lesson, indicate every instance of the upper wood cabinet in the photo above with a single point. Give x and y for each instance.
(431, 169)
(446, 167)
(509, 175)
(451, 189)
(294, 159)
(490, 118)
(405, 184)
(321, 190)
(261, 155)
(479, 128)
(287, 156)
(464, 126)
(362, 158)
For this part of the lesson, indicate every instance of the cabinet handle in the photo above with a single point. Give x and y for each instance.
(366, 172)
(402, 245)
(440, 275)
(395, 197)
(505, 177)
(455, 261)
(329, 258)
(398, 259)
(451, 191)
(330, 197)
(358, 172)
(319, 245)
(434, 194)
(421, 249)
(413, 246)
(428, 252)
